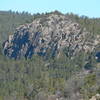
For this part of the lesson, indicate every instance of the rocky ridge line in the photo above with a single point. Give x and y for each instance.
(48, 36)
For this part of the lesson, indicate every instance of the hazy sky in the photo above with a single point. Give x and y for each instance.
(89, 8)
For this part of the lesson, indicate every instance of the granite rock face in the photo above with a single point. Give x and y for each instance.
(48, 36)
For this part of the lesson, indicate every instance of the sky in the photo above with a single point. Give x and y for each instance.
(90, 8)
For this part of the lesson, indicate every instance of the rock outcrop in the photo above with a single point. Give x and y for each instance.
(47, 36)
(96, 97)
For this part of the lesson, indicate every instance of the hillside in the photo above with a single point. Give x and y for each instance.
(49, 56)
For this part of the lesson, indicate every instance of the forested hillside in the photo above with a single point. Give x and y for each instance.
(66, 76)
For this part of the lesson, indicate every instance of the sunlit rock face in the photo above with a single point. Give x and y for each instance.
(48, 36)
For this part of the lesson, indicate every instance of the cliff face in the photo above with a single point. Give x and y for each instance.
(48, 36)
